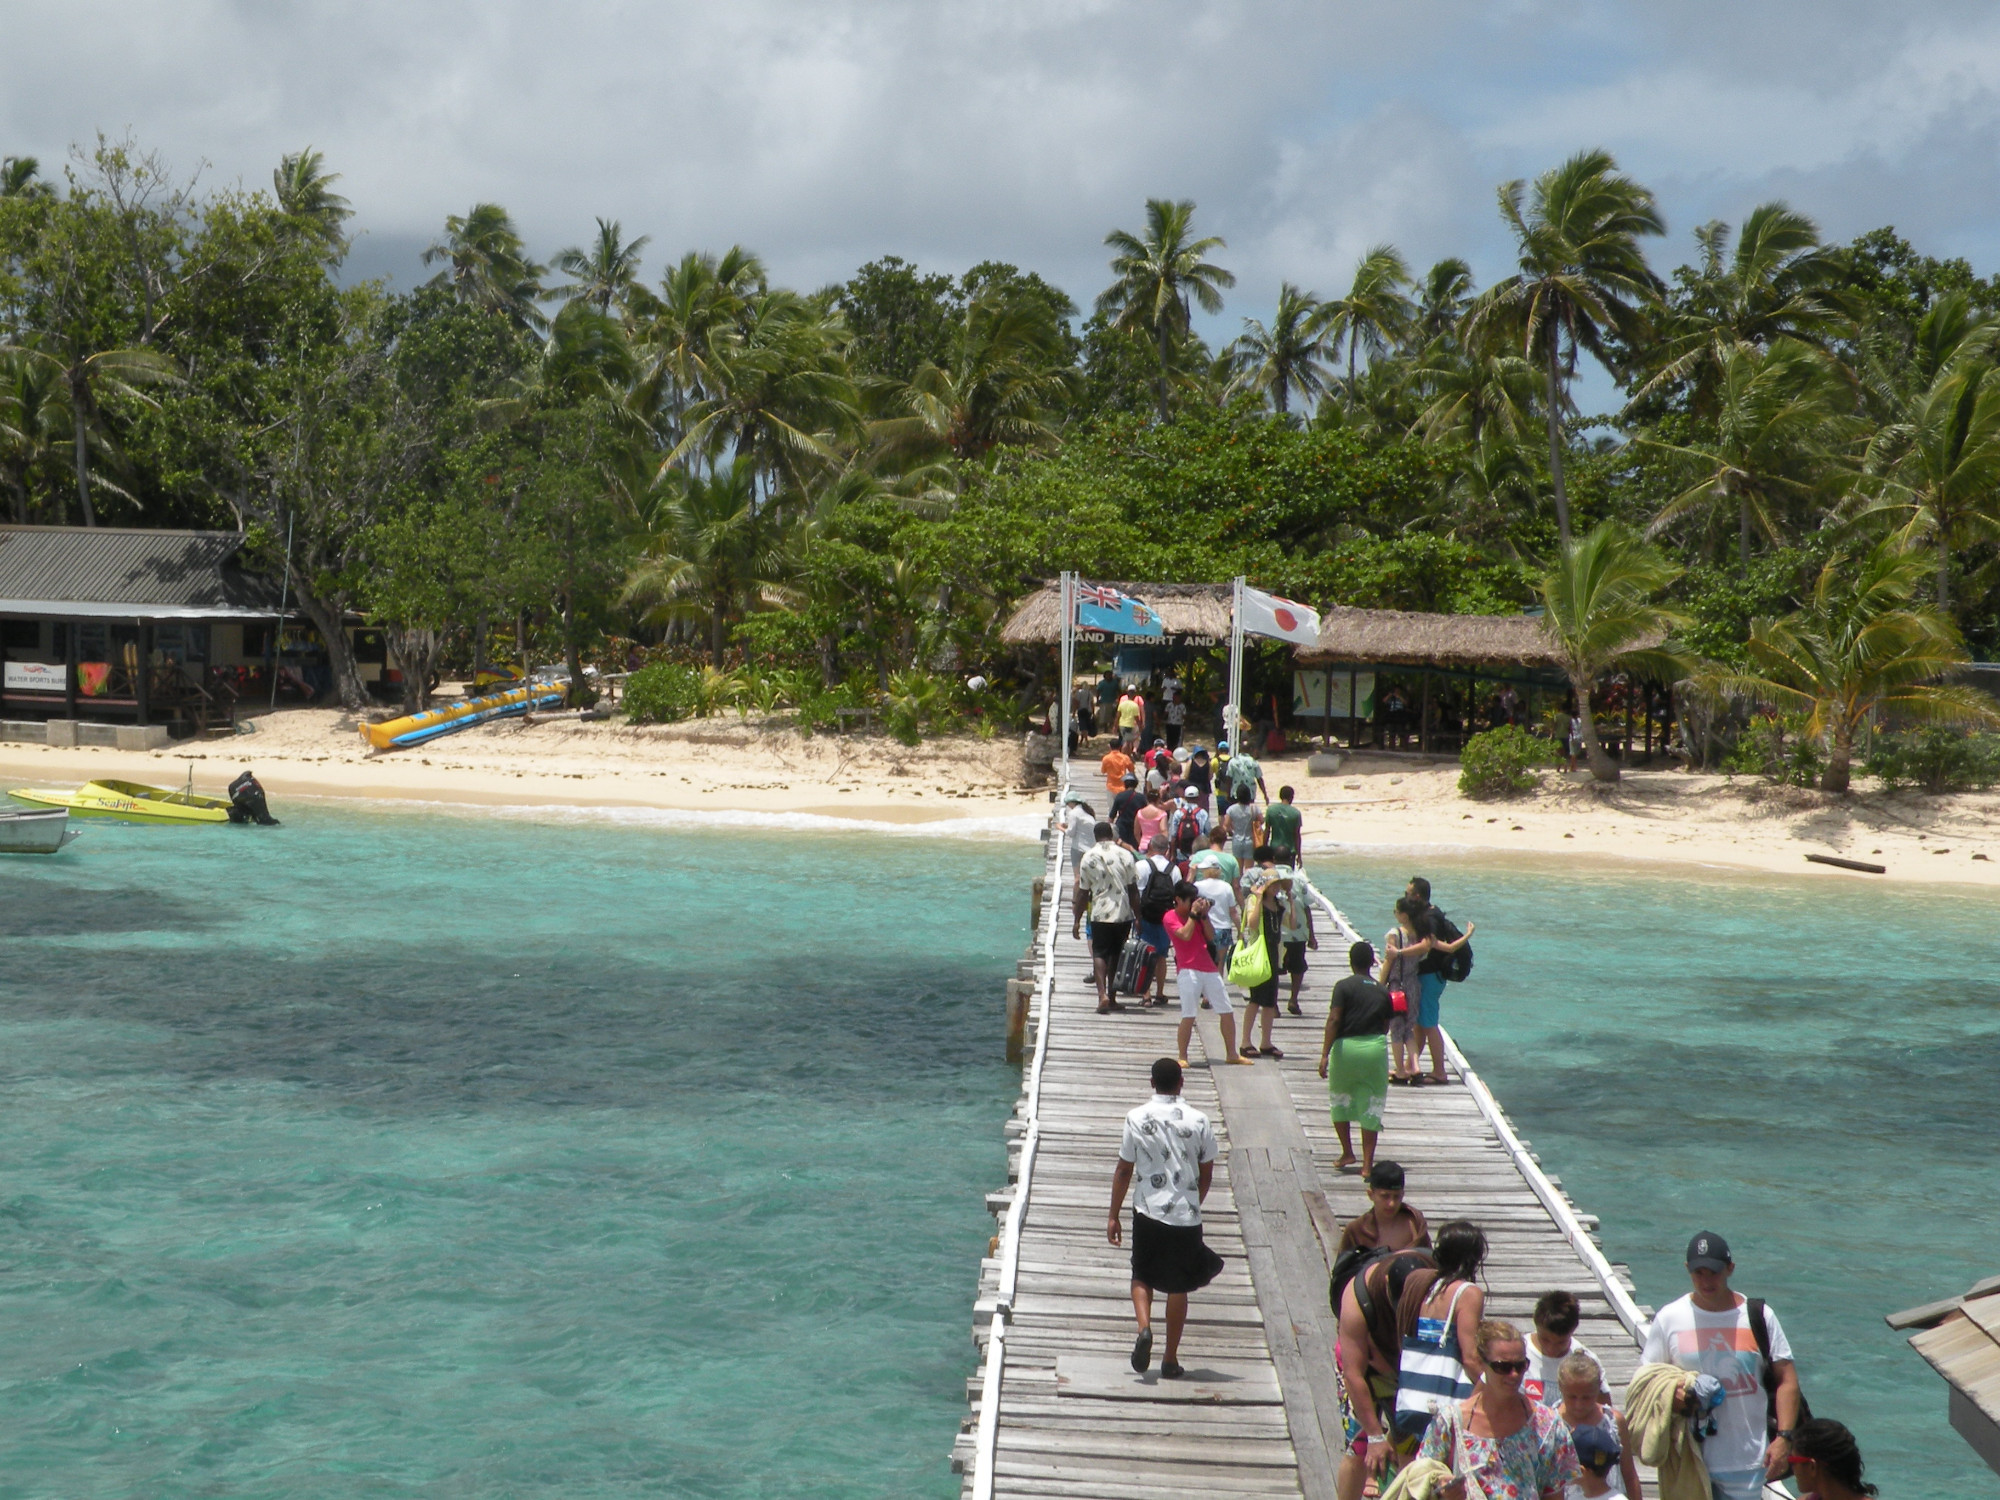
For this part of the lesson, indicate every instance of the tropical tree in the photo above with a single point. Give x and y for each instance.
(1936, 460)
(1376, 312)
(1003, 386)
(1777, 283)
(304, 189)
(710, 548)
(1444, 296)
(606, 271)
(487, 264)
(21, 177)
(1857, 649)
(1289, 356)
(1471, 395)
(1158, 273)
(1777, 421)
(686, 332)
(1583, 277)
(34, 420)
(1602, 615)
(94, 377)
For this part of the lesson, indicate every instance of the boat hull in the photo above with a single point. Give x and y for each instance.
(43, 831)
(128, 802)
(416, 729)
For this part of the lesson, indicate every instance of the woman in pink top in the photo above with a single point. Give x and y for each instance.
(1150, 820)
(1195, 971)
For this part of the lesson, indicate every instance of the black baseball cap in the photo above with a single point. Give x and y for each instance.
(1708, 1251)
(1385, 1174)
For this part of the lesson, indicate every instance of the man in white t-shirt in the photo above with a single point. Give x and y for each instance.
(1554, 1340)
(1168, 1154)
(1709, 1331)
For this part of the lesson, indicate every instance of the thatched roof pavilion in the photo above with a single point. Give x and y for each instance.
(1192, 613)
(1394, 637)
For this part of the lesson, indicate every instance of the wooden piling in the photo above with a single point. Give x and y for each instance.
(1036, 892)
(1019, 996)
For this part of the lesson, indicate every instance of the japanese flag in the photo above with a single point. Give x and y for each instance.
(1267, 614)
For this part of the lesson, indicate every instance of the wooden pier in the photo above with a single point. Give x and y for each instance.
(1056, 1408)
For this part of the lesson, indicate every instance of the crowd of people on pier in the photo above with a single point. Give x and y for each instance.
(1440, 1399)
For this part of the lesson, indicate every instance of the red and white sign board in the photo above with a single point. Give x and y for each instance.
(34, 677)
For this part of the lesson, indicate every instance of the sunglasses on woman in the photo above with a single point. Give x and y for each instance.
(1507, 1366)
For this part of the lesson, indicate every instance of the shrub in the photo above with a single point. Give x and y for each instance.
(1778, 749)
(1936, 760)
(664, 693)
(1501, 762)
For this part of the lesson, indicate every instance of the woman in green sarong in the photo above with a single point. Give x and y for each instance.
(1354, 1058)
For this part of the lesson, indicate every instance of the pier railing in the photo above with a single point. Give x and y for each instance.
(1552, 1199)
(994, 1365)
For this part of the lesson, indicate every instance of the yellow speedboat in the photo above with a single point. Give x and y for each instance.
(129, 802)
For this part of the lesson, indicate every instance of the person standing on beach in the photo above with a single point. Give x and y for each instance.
(1284, 828)
(1711, 1331)
(1104, 880)
(1191, 930)
(1169, 1150)
(1354, 1059)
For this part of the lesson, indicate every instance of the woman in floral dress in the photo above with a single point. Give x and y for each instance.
(1498, 1444)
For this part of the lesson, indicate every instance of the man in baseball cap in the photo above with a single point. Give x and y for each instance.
(1739, 1342)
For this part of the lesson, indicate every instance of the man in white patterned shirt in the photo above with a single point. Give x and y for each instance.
(1169, 1150)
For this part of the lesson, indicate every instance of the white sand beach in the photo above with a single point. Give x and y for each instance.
(1378, 802)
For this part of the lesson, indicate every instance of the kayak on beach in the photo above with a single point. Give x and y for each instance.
(415, 729)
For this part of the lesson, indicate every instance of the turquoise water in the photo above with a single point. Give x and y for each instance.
(398, 1153)
(1810, 1067)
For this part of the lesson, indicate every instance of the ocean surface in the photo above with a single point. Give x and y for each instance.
(405, 1151)
(453, 1153)
(1809, 1067)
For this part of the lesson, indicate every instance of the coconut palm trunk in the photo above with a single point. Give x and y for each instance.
(80, 423)
(1555, 446)
(1602, 766)
(1839, 771)
(1161, 339)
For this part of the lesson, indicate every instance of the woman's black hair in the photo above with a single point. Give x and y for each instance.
(1830, 1445)
(1409, 906)
(1461, 1250)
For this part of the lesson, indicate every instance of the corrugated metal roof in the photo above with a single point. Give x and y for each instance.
(105, 566)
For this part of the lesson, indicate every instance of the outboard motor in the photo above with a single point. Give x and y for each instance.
(246, 802)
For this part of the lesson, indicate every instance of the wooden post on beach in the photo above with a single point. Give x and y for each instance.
(1039, 889)
(1018, 991)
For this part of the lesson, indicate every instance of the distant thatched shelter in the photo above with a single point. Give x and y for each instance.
(1393, 637)
(1194, 614)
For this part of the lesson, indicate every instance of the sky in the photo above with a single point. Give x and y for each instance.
(826, 133)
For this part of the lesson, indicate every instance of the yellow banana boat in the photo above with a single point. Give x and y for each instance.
(129, 802)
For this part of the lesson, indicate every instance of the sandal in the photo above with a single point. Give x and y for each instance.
(1273, 1052)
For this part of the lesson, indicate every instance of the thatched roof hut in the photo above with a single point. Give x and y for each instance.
(1393, 637)
(1192, 613)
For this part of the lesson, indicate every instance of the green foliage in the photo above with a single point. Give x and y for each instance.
(664, 693)
(1502, 762)
(1721, 601)
(784, 639)
(1936, 761)
(1779, 748)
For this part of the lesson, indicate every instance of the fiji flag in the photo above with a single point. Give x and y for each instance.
(1102, 608)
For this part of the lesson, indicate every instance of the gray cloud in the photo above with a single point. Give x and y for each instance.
(826, 132)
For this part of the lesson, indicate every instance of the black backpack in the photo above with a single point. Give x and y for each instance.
(1453, 966)
(1347, 1265)
(1760, 1330)
(1158, 897)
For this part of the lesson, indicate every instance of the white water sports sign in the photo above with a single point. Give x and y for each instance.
(35, 677)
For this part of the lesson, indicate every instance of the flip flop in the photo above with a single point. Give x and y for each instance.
(1272, 1052)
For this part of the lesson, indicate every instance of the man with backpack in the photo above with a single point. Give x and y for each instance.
(1449, 958)
(1714, 1331)
(1187, 828)
(1375, 1317)
(1155, 877)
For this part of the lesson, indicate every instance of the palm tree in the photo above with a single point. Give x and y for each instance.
(34, 419)
(1776, 424)
(1601, 615)
(305, 191)
(1375, 313)
(1776, 285)
(1157, 275)
(1444, 297)
(1288, 356)
(1937, 458)
(488, 264)
(1473, 394)
(709, 549)
(1859, 648)
(93, 377)
(1583, 275)
(606, 271)
(686, 330)
(1008, 378)
(21, 177)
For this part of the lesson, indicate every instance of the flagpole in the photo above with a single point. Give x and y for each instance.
(1067, 656)
(1233, 711)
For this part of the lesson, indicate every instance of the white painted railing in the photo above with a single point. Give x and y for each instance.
(1551, 1197)
(986, 1436)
